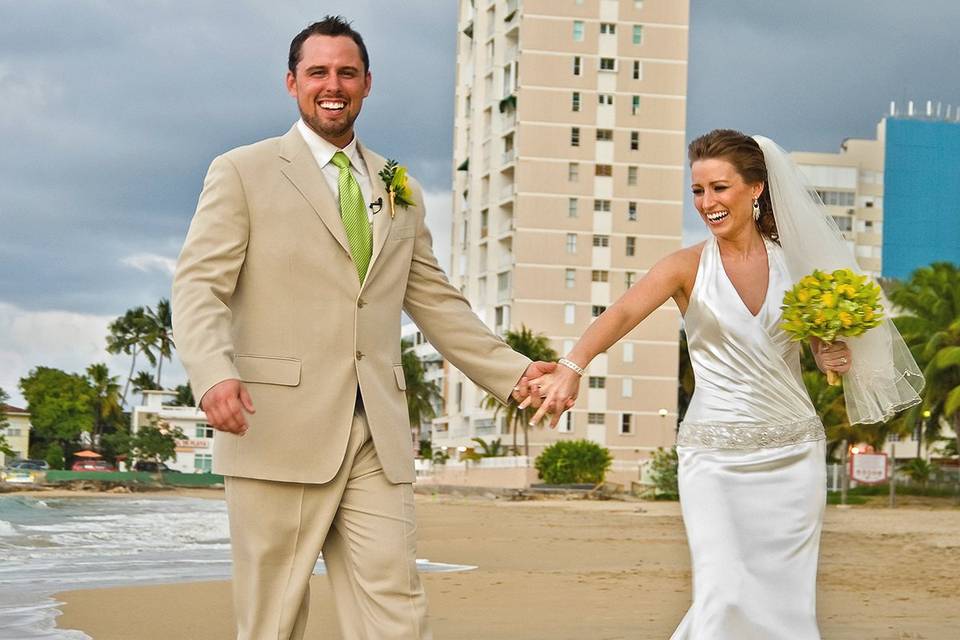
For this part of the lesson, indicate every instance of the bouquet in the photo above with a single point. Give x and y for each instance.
(831, 305)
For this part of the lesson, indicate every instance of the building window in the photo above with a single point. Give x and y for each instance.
(570, 278)
(627, 388)
(637, 70)
(604, 170)
(204, 431)
(836, 198)
(601, 240)
(608, 27)
(605, 98)
(626, 424)
(632, 211)
(599, 275)
(845, 223)
(598, 382)
(595, 418)
(638, 5)
(634, 141)
(572, 208)
(569, 312)
(601, 205)
(604, 134)
(575, 136)
(566, 423)
(632, 176)
(608, 64)
(635, 105)
(596, 310)
(638, 34)
(575, 105)
(577, 66)
(631, 246)
(573, 172)
(578, 30)
(571, 243)
(203, 462)
(631, 277)
(627, 353)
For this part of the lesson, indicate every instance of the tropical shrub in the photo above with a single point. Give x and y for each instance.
(575, 461)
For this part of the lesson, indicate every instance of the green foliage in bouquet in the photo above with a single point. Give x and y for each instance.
(831, 305)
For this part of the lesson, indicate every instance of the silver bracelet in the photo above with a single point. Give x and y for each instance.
(570, 364)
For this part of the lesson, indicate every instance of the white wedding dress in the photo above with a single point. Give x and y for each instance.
(752, 466)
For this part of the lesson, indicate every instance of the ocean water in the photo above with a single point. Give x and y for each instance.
(49, 545)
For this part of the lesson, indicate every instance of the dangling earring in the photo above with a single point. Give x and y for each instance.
(756, 210)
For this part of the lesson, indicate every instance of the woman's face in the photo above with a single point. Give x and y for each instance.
(724, 200)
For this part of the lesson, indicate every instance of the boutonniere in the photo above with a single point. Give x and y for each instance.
(394, 177)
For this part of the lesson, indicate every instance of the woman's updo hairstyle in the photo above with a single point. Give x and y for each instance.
(745, 155)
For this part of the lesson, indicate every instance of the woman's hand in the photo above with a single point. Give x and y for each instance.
(831, 356)
(559, 392)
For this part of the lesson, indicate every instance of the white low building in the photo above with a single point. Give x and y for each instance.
(195, 450)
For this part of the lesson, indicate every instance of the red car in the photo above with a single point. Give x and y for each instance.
(92, 465)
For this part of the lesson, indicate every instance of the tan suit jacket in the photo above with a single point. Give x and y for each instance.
(266, 291)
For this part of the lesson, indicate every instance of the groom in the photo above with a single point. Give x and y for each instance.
(287, 299)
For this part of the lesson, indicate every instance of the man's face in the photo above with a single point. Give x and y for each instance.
(329, 85)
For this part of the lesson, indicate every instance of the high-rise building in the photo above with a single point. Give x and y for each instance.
(568, 169)
(896, 198)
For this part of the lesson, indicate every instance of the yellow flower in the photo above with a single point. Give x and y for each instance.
(846, 319)
(829, 299)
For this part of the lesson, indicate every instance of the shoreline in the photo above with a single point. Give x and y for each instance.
(586, 569)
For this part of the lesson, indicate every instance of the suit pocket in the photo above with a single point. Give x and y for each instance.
(401, 233)
(398, 374)
(268, 369)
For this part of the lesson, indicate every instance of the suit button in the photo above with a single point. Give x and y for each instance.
(361, 303)
(359, 355)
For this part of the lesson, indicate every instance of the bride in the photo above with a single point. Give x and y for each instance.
(751, 448)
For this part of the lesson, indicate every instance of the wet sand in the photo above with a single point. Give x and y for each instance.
(591, 570)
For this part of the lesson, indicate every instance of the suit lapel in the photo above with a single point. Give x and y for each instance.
(302, 170)
(381, 221)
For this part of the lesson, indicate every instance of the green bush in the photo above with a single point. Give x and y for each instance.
(576, 461)
(54, 456)
(663, 473)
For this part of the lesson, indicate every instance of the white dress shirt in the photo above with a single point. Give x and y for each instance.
(323, 153)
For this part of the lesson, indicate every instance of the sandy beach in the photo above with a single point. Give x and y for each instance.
(591, 570)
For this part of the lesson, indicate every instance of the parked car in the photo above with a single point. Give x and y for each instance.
(92, 465)
(150, 466)
(29, 465)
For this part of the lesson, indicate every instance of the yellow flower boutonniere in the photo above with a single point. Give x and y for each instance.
(394, 177)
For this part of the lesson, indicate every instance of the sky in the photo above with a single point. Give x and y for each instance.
(111, 111)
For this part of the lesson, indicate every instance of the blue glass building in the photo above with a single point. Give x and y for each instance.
(921, 194)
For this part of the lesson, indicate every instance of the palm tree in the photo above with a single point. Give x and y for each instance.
(537, 348)
(126, 335)
(931, 329)
(160, 334)
(105, 401)
(421, 393)
(144, 381)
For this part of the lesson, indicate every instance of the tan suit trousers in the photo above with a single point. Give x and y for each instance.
(364, 526)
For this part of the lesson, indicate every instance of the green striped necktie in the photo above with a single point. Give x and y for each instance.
(353, 212)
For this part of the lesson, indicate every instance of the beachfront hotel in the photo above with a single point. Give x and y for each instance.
(568, 166)
(896, 197)
(194, 453)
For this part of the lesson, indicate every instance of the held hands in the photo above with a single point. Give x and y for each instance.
(558, 391)
(225, 403)
(522, 392)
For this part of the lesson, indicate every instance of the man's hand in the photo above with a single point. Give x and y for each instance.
(224, 404)
(523, 390)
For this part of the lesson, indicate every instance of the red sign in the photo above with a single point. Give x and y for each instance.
(193, 444)
(868, 468)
